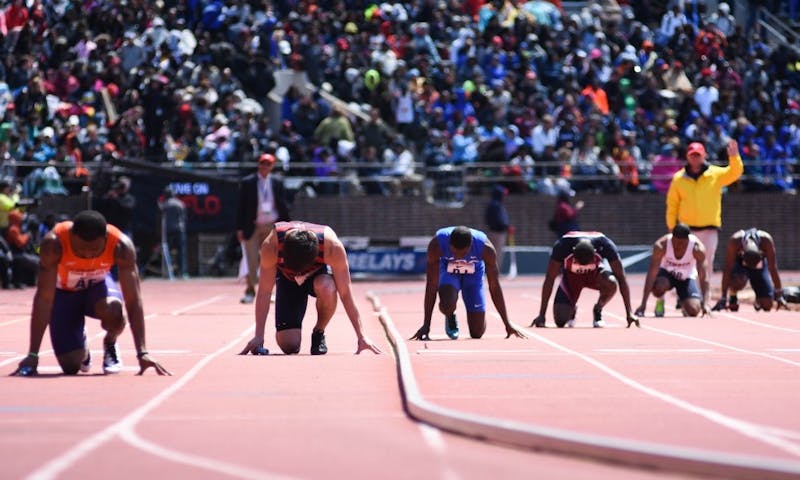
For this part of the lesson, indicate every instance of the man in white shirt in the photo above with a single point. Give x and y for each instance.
(543, 135)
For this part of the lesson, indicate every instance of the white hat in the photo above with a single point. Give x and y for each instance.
(724, 8)
(73, 121)
(48, 132)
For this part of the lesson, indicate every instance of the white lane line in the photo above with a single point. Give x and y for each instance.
(17, 358)
(628, 452)
(748, 429)
(428, 351)
(653, 350)
(96, 369)
(223, 468)
(124, 428)
(435, 440)
(12, 322)
(716, 344)
(193, 306)
(49, 351)
(754, 322)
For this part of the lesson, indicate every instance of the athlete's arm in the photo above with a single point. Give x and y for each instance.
(49, 256)
(731, 251)
(652, 273)
(768, 247)
(495, 290)
(268, 269)
(553, 269)
(624, 290)
(336, 257)
(434, 255)
(125, 258)
(702, 274)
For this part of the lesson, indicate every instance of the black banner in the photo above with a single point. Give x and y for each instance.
(210, 204)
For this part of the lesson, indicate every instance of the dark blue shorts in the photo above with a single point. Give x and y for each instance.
(759, 279)
(67, 320)
(687, 288)
(291, 299)
(470, 286)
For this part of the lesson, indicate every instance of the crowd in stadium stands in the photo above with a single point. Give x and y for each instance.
(605, 99)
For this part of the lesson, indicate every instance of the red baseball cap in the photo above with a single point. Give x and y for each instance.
(696, 147)
(268, 158)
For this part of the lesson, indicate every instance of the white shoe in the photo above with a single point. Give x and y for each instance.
(248, 297)
(111, 361)
(599, 323)
(86, 364)
(571, 323)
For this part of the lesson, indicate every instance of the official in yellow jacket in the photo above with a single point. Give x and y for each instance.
(695, 195)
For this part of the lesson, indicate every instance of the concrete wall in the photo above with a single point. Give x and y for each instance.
(629, 219)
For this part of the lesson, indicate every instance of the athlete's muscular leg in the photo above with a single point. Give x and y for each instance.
(477, 324)
(289, 340)
(109, 311)
(70, 362)
(691, 306)
(448, 298)
(661, 286)
(607, 284)
(562, 313)
(737, 282)
(765, 303)
(327, 298)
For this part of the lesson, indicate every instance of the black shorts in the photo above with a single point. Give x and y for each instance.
(759, 279)
(687, 288)
(291, 299)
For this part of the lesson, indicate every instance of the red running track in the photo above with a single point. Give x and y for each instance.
(726, 384)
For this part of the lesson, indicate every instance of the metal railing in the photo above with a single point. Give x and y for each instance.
(775, 30)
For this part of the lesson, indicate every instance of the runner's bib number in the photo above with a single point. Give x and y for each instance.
(79, 280)
(460, 267)
(578, 268)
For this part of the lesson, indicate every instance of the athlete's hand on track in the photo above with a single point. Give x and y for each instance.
(364, 343)
(422, 334)
(722, 304)
(512, 329)
(538, 322)
(640, 311)
(704, 311)
(255, 346)
(780, 302)
(145, 362)
(633, 319)
(28, 367)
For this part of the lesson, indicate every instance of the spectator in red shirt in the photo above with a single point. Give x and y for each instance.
(16, 15)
